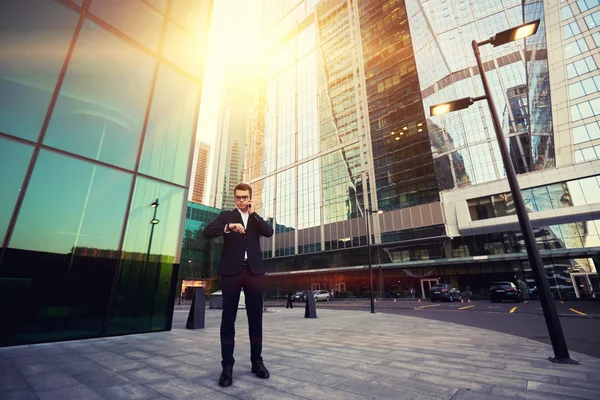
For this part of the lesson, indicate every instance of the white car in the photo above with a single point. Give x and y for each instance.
(322, 295)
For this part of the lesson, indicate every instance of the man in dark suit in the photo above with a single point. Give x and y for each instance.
(241, 266)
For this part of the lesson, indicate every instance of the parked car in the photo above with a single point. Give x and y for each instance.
(299, 296)
(444, 292)
(505, 291)
(322, 295)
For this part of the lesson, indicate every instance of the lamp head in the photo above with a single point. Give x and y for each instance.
(516, 33)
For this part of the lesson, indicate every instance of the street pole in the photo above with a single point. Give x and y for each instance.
(367, 215)
(537, 266)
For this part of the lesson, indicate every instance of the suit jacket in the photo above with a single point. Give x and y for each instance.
(237, 244)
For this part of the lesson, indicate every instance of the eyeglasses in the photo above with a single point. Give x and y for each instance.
(242, 198)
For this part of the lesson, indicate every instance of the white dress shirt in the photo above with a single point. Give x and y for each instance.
(245, 217)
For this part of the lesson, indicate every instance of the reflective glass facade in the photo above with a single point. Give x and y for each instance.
(463, 143)
(337, 127)
(199, 256)
(580, 22)
(339, 124)
(99, 102)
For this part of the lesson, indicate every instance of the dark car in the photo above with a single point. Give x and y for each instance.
(299, 296)
(444, 292)
(505, 291)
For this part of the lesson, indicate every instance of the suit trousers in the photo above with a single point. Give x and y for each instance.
(254, 286)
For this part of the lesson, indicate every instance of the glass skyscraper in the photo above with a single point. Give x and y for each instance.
(339, 126)
(98, 110)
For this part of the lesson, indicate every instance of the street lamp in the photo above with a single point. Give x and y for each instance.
(549, 308)
(367, 213)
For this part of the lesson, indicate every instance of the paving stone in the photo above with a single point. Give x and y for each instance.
(161, 362)
(563, 390)
(146, 375)
(374, 390)
(527, 394)
(547, 371)
(50, 380)
(136, 354)
(580, 384)
(38, 368)
(179, 389)
(78, 392)
(453, 382)
(127, 391)
(120, 366)
(465, 394)
(11, 383)
(101, 378)
(21, 394)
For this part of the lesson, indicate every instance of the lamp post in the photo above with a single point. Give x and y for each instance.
(549, 308)
(153, 222)
(367, 214)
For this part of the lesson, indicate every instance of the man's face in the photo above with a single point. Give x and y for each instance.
(241, 199)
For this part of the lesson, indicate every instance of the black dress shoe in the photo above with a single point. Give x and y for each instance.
(259, 369)
(226, 378)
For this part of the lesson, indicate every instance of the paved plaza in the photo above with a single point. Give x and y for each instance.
(342, 354)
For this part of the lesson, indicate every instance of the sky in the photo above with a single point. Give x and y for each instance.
(234, 37)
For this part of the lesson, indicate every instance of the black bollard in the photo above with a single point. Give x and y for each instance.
(311, 308)
(197, 309)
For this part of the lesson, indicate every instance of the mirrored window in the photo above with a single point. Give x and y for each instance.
(170, 127)
(71, 204)
(63, 252)
(34, 46)
(100, 110)
(183, 49)
(132, 17)
(14, 160)
(193, 15)
(161, 5)
(152, 241)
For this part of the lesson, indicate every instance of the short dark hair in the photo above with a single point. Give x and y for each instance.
(243, 186)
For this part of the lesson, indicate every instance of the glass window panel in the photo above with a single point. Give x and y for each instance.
(14, 160)
(595, 104)
(170, 127)
(580, 135)
(161, 5)
(183, 50)
(576, 90)
(149, 252)
(571, 72)
(70, 203)
(588, 155)
(579, 156)
(34, 46)
(566, 13)
(585, 109)
(591, 64)
(132, 17)
(590, 189)
(64, 249)
(193, 15)
(100, 110)
(593, 130)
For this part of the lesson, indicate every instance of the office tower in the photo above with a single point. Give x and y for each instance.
(340, 124)
(99, 109)
(228, 162)
(200, 172)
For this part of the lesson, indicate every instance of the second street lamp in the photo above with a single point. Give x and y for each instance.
(367, 216)
(557, 338)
